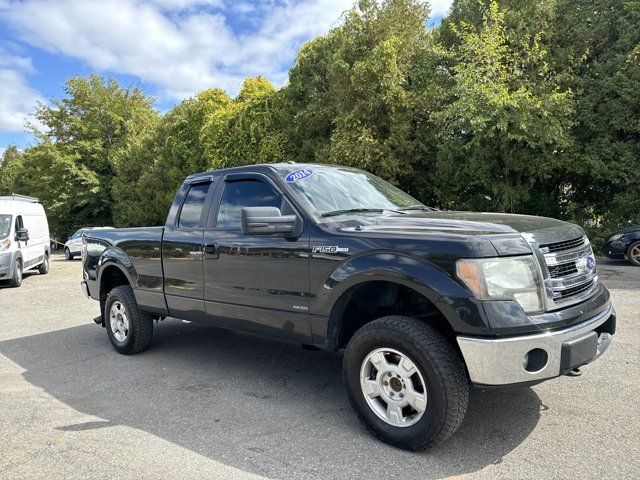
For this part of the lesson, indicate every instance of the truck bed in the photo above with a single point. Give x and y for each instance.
(137, 249)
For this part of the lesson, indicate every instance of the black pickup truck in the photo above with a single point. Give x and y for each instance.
(423, 302)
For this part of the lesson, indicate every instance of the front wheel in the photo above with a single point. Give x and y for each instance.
(67, 254)
(128, 329)
(633, 253)
(405, 382)
(16, 279)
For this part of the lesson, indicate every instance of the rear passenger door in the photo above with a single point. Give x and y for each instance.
(182, 251)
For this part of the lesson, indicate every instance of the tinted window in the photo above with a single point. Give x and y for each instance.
(246, 193)
(192, 206)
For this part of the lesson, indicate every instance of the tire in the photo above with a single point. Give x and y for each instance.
(43, 269)
(633, 253)
(67, 254)
(136, 329)
(438, 367)
(16, 279)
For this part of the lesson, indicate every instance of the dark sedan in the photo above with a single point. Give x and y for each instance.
(624, 243)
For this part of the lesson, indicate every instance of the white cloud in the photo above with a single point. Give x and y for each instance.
(176, 45)
(17, 98)
(2, 150)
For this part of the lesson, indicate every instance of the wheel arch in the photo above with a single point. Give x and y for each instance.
(111, 275)
(387, 283)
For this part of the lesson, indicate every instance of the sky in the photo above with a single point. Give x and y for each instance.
(170, 49)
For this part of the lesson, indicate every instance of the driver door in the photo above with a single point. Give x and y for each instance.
(255, 282)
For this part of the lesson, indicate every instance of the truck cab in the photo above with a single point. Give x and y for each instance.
(422, 302)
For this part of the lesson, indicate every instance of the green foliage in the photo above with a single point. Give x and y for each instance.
(246, 130)
(501, 133)
(530, 107)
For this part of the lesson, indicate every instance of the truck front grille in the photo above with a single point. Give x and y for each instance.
(562, 246)
(570, 292)
(569, 271)
(565, 269)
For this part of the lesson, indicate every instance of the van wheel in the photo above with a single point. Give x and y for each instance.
(67, 254)
(405, 382)
(128, 329)
(43, 269)
(16, 279)
(633, 254)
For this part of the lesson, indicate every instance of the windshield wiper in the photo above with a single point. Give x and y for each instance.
(424, 208)
(352, 210)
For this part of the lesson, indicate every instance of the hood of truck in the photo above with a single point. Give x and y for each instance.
(509, 234)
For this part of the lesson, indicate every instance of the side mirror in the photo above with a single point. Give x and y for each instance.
(22, 235)
(266, 221)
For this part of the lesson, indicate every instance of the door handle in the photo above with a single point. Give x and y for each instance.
(212, 251)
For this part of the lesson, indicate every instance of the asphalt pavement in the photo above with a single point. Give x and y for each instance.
(204, 403)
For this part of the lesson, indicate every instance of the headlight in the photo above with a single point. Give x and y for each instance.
(5, 244)
(615, 237)
(508, 278)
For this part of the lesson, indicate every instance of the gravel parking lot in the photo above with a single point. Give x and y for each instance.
(204, 403)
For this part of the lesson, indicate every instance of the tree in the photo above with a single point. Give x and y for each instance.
(81, 135)
(597, 45)
(10, 166)
(505, 126)
(353, 95)
(246, 130)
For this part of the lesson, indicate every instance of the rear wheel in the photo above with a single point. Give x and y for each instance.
(67, 254)
(633, 253)
(128, 329)
(16, 279)
(405, 382)
(43, 269)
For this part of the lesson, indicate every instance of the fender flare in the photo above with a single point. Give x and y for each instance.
(116, 257)
(395, 267)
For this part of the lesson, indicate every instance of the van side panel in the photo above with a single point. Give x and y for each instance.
(34, 219)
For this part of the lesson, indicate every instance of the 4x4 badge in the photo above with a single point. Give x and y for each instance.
(329, 249)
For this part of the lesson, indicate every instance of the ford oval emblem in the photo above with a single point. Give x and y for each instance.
(298, 175)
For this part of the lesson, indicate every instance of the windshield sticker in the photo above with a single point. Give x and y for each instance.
(298, 175)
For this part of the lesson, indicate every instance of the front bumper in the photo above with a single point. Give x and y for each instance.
(536, 357)
(85, 289)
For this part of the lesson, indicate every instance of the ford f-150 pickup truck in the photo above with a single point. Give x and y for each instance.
(422, 302)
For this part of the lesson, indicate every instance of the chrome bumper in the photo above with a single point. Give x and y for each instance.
(85, 289)
(502, 361)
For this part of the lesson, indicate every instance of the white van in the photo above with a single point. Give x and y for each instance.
(24, 238)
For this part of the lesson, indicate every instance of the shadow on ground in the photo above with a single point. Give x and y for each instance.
(253, 404)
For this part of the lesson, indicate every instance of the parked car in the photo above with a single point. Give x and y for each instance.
(622, 244)
(24, 238)
(73, 245)
(421, 301)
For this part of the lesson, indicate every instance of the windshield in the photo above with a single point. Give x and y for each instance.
(330, 191)
(5, 226)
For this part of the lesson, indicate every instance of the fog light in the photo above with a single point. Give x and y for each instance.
(535, 360)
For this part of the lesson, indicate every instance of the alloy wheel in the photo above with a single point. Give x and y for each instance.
(393, 387)
(119, 321)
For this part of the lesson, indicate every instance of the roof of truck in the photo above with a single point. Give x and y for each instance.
(271, 166)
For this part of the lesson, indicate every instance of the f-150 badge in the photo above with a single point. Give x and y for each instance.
(329, 249)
